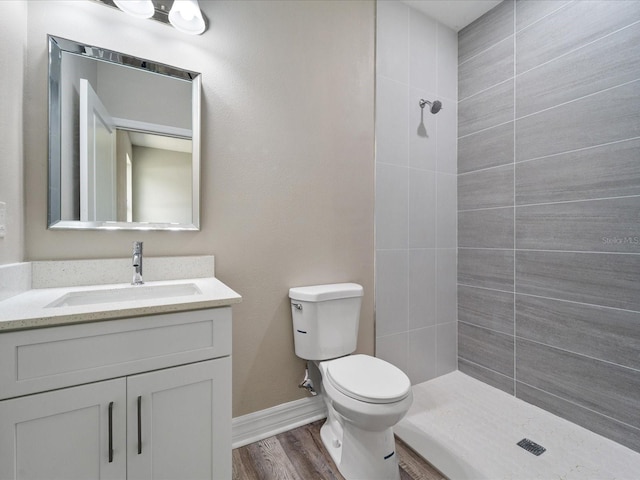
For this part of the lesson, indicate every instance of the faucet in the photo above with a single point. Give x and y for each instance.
(137, 264)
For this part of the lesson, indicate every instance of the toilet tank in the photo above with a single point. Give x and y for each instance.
(325, 319)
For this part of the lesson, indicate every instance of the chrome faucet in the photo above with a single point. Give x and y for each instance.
(137, 264)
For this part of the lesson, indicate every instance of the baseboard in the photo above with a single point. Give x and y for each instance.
(271, 421)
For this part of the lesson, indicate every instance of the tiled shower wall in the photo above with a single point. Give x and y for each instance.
(549, 208)
(415, 192)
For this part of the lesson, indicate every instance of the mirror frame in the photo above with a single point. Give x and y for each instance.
(59, 45)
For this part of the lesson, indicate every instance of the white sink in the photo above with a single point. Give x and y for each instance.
(125, 294)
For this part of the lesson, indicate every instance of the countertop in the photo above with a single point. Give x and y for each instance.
(29, 309)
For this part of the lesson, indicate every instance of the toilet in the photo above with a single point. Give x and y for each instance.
(365, 396)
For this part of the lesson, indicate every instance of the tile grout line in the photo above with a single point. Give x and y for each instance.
(515, 353)
(560, 202)
(590, 252)
(437, 177)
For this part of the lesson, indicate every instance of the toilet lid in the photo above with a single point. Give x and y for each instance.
(368, 379)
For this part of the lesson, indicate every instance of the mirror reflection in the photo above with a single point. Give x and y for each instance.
(124, 137)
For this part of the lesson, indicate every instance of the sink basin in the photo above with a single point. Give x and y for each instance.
(126, 294)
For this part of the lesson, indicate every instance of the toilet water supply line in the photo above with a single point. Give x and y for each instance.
(307, 383)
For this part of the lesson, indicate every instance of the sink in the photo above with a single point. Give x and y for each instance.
(125, 294)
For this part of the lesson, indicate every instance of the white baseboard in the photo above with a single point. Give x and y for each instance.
(271, 421)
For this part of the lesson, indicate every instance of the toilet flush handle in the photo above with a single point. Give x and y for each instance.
(297, 306)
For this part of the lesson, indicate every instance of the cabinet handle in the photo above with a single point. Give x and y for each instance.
(110, 432)
(139, 425)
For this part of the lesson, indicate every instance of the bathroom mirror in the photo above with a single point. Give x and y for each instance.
(124, 141)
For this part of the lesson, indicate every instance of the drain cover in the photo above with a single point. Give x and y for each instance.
(532, 447)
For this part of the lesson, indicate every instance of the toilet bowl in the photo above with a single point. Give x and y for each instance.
(362, 411)
(365, 396)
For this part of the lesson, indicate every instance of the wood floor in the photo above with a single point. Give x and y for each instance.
(299, 455)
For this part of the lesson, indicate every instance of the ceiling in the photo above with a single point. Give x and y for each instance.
(455, 14)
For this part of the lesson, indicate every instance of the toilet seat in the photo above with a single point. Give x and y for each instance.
(368, 379)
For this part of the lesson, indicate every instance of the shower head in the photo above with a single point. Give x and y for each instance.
(435, 107)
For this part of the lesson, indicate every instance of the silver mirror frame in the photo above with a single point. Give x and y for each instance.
(59, 45)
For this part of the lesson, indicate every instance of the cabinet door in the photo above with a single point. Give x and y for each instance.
(179, 422)
(65, 434)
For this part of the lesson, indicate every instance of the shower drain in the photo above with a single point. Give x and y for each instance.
(531, 447)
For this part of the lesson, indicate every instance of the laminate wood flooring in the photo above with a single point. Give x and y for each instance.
(299, 455)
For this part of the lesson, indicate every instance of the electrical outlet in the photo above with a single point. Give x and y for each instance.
(3, 221)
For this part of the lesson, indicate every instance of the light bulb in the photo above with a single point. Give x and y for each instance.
(185, 15)
(137, 8)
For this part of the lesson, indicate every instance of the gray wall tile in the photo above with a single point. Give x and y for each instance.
(392, 292)
(446, 348)
(492, 228)
(486, 268)
(487, 376)
(569, 28)
(392, 41)
(486, 69)
(608, 225)
(493, 26)
(608, 427)
(446, 286)
(486, 308)
(611, 170)
(394, 349)
(489, 148)
(607, 279)
(610, 61)
(487, 109)
(392, 121)
(392, 206)
(422, 208)
(422, 288)
(605, 388)
(530, 11)
(607, 334)
(486, 189)
(575, 138)
(580, 124)
(487, 348)
(446, 214)
(422, 355)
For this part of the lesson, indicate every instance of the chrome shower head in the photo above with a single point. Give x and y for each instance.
(435, 106)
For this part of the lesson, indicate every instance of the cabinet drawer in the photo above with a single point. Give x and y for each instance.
(44, 359)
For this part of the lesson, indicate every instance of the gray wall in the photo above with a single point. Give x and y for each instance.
(415, 192)
(287, 161)
(549, 208)
(13, 40)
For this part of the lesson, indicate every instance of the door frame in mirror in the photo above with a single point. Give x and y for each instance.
(59, 45)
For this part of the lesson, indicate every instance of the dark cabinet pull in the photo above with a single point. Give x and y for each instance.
(139, 425)
(110, 432)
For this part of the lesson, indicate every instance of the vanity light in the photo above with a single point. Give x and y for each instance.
(185, 15)
(137, 8)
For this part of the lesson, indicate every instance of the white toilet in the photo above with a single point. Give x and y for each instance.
(365, 396)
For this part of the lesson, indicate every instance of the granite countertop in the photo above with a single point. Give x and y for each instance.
(30, 309)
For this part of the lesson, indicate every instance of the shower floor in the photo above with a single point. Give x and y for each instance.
(469, 430)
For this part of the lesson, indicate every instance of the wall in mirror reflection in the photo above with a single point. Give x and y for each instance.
(126, 148)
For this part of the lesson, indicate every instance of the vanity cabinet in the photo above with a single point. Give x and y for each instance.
(145, 398)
